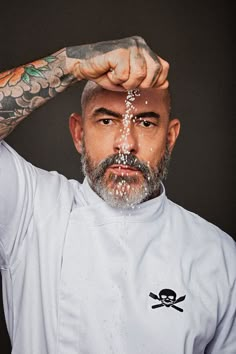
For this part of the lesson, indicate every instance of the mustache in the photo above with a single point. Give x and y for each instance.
(124, 159)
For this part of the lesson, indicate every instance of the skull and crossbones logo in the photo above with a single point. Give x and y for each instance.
(168, 299)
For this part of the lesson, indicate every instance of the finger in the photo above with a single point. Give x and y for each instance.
(91, 68)
(106, 83)
(84, 70)
(115, 64)
(161, 80)
(87, 71)
(119, 66)
(154, 69)
(154, 65)
(165, 85)
(138, 69)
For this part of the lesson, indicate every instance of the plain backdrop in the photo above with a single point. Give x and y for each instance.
(195, 37)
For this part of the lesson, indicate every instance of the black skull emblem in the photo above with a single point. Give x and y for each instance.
(167, 297)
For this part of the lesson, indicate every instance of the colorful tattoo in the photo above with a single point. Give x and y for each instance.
(26, 72)
(29, 86)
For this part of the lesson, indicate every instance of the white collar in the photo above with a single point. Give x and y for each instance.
(143, 212)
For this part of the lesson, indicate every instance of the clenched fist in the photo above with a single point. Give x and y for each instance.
(122, 64)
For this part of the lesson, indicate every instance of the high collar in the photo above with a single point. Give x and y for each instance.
(143, 212)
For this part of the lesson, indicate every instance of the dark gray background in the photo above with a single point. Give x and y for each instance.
(195, 37)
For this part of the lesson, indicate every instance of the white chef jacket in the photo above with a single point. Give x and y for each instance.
(80, 277)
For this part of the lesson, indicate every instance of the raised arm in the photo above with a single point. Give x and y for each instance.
(116, 65)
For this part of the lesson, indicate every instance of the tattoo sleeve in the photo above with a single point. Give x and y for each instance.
(27, 87)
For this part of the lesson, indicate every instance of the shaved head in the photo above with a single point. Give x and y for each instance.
(91, 89)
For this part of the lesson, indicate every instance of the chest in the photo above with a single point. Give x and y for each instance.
(125, 288)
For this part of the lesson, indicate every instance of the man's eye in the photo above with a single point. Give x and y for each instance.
(105, 121)
(146, 123)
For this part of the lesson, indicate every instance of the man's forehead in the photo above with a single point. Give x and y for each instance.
(142, 99)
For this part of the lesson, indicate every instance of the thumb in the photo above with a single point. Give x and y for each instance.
(92, 68)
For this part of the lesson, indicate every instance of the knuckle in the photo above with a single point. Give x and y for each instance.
(126, 86)
(123, 75)
(130, 85)
(119, 77)
(158, 66)
(166, 66)
(139, 39)
(140, 73)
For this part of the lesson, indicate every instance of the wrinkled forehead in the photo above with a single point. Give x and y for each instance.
(153, 99)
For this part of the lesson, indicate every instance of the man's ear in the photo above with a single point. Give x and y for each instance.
(173, 132)
(76, 130)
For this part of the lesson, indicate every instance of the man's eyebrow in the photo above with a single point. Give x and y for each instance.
(106, 111)
(148, 115)
(103, 110)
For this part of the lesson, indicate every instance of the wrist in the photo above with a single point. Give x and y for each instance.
(70, 63)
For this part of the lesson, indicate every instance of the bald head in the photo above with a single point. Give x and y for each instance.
(91, 89)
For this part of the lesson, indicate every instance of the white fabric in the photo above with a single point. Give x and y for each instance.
(77, 273)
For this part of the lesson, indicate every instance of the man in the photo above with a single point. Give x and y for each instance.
(112, 265)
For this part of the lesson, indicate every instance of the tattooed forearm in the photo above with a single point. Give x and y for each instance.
(16, 109)
(27, 87)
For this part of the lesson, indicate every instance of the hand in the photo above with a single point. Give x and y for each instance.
(122, 64)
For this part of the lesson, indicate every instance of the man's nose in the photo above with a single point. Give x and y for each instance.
(126, 141)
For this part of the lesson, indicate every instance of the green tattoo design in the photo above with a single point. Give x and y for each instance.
(27, 87)
(26, 72)
(32, 71)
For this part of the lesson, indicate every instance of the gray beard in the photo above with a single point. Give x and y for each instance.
(126, 191)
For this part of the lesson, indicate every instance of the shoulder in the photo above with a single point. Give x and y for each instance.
(213, 247)
(54, 190)
(49, 189)
(197, 225)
